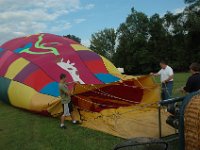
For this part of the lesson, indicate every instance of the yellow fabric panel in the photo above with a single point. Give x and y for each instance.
(55, 107)
(128, 77)
(151, 94)
(25, 97)
(146, 80)
(41, 102)
(79, 47)
(16, 67)
(135, 121)
(20, 95)
(127, 122)
(110, 67)
(152, 91)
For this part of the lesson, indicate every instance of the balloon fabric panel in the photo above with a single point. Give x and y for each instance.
(108, 101)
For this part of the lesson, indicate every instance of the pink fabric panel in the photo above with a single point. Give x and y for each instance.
(48, 62)
(6, 63)
(5, 56)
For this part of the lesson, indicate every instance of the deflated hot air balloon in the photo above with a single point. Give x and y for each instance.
(108, 101)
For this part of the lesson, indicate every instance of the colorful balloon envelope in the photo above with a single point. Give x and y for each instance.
(29, 76)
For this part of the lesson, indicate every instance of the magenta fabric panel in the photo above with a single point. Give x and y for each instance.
(55, 70)
(30, 68)
(88, 55)
(12, 44)
(48, 62)
(93, 61)
(5, 55)
(2, 53)
(11, 58)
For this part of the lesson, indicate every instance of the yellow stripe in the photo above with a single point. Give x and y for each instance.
(79, 47)
(16, 67)
(25, 97)
(110, 67)
(20, 95)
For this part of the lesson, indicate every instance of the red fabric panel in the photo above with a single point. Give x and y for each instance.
(37, 80)
(113, 96)
(134, 94)
(119, 91)
(129, 83)
(96, 66)
(98, 103)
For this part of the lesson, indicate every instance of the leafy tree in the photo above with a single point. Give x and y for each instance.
(177, 33)
(190, 1)
(142, 42)
(73, 37)
(159, 41)
(192, 26)
(103, 42)
(132, 36)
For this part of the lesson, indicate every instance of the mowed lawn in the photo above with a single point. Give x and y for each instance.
(21, 130)
(180, 80)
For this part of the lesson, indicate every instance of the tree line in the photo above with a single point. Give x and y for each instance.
(141, 42)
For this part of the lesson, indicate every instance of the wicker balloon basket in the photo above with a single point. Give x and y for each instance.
(192, 124)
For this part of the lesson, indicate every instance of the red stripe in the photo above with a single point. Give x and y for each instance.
(37, 80)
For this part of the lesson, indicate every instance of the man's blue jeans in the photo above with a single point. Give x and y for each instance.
(167, 90)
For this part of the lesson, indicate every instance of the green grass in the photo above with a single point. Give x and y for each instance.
(23, 130)
(179, 81)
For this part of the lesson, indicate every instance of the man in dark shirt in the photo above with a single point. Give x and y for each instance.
(193, 82)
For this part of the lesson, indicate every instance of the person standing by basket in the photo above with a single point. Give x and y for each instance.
(66, 101)
(166, 77)
(193, 82)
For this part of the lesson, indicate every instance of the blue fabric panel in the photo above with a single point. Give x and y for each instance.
(51, 89)
(18, 50)
(107, 78)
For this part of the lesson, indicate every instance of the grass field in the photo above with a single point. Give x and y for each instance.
(21, 130)
(179, 81)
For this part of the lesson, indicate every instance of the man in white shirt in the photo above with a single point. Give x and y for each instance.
(166, 77)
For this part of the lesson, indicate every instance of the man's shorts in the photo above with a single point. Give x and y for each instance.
(67, 109)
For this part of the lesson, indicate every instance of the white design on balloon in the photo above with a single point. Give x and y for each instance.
(69, 67)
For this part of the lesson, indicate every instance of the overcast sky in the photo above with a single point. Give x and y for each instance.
(78, 17)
